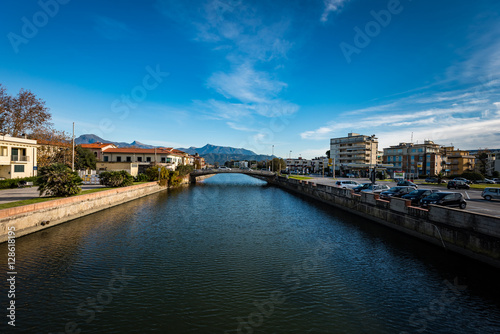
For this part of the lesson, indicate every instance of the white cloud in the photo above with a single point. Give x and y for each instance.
(331, 6)
(112, 29)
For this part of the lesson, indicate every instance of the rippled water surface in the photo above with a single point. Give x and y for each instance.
(233, 255)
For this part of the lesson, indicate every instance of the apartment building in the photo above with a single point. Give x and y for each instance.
(354, 149)
(415, 159)
(459, 161)
(18, 157)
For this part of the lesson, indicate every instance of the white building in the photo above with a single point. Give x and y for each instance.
(17, 157)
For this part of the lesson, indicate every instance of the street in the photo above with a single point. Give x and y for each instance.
(20, 194)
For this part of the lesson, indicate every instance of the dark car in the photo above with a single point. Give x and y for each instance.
(396, 192)
(406, 183)
(416, 195)
(444, 199)
(431, 180)
(462, 179)
(458, 184)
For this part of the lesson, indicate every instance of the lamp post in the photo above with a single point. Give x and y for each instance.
(73, 149)
(371, 171)
(272, 157)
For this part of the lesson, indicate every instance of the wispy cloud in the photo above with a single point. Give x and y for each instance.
(331, 6)
(250, 39)
(112, 29)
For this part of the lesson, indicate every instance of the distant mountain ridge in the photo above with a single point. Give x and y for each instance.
(212, 153)
(212, 149)
(91, 138)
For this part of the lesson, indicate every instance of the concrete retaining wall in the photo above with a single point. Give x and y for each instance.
(35, 217)
(474, 235)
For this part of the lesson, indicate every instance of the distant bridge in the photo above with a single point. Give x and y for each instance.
(259, 174)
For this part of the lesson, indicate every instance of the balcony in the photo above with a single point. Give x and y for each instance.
(20, 158)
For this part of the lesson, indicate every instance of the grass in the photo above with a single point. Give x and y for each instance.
(300, 177)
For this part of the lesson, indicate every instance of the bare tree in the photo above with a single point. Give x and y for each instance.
(22, 114)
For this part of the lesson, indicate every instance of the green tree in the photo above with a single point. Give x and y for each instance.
(152, 173)
(116, 179)
(496, 174)
(482, 158)
(58, 180)
(184, 169)
(328, 154)
(473, 176)
(84, 159)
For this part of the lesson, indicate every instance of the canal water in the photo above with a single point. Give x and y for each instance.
(233, 255)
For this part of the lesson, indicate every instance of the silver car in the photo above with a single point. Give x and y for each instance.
(347, 184)
(491, 193)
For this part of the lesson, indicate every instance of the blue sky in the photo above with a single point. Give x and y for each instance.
(253, 74)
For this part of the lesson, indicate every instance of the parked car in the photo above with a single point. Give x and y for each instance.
(431, 180)
(416, 195)
(347, 184)
(224, 168)
(491, 193)
(444, 199)
(375, 188)
(398, 179)
(350, 175)
(488, 181)
(458, 184)
(406, 184)
(361, 187)
(396, 192)
(462, 179)
(496, 180)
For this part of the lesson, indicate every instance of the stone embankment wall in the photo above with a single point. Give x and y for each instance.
(474, 235)
(35, 217)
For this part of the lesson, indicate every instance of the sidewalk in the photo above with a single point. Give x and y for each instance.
(20, 194)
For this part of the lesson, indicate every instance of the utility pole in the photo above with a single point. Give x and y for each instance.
(73, 149)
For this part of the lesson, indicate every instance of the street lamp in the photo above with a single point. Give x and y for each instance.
(272, 157)
(372, 171)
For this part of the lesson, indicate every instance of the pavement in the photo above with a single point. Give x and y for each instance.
(475, 203)
(20, 194)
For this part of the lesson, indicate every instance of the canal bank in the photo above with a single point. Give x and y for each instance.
(474, 235)
(31, 218)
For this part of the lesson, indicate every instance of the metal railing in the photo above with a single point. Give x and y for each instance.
(24, 158)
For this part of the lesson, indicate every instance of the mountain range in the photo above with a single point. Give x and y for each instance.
(212, 153)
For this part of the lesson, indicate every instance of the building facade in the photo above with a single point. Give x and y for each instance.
(18, 157)
(415, 159)
(98, 148)
(355, 153)
(459, 161)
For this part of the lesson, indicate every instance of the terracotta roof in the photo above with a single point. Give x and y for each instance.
(129, 150)
(51, 143)
(96, 145)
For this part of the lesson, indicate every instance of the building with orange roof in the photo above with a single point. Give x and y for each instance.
(98, 148)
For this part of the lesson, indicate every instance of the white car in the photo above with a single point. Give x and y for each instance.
(224, 168)
(376, 188)
(347, 184)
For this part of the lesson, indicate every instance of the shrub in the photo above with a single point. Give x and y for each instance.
(496, 174)
(472, 176)
(116, 179)
(152, 173)
(58, 180)
(184, 169)
(12, 183)
(142, 178)
(174, 180)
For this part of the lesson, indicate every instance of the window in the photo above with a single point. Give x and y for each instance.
(139, 159)
(118, 159)
(163, 159)
(148, 159)
(106, 158)
(129, 159)
(412, 158)
(18, 168)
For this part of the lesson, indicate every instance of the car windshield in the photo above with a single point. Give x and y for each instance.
(416, 192)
